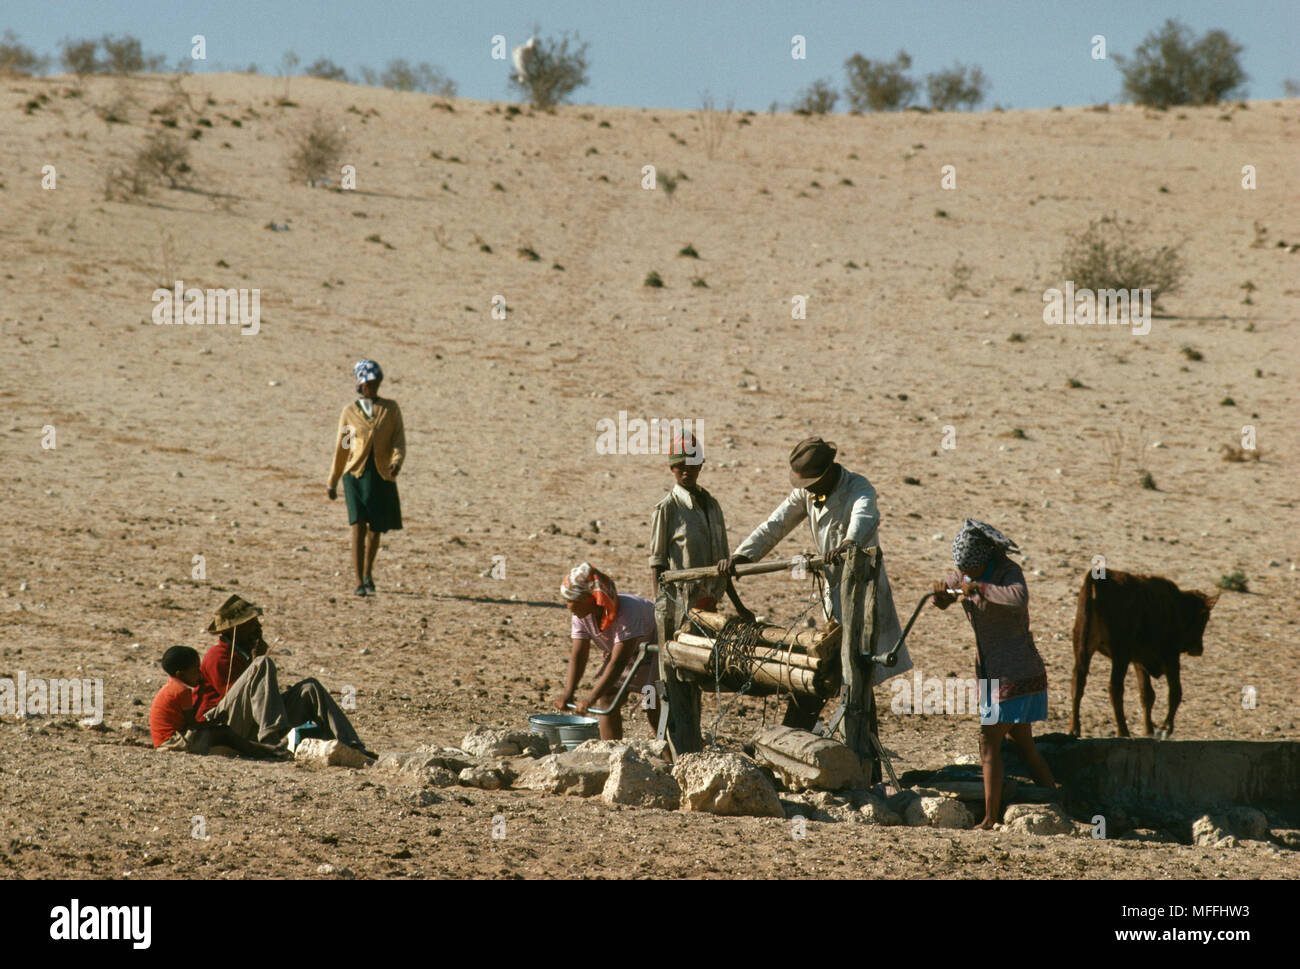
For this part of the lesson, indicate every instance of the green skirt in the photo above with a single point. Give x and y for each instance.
(372, 500)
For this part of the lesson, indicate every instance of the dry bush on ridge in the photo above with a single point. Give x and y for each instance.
(713, 123)
(554, 71)
(318, 150)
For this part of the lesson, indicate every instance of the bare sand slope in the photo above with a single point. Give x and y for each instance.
(177, 441)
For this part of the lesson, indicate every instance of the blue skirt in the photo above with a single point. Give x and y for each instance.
(1023, 709)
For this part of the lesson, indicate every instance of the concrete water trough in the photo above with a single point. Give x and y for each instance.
(1163, 779)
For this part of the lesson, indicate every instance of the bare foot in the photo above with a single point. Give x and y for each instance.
(985, 825)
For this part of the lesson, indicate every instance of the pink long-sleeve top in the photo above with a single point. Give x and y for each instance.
(999, 615)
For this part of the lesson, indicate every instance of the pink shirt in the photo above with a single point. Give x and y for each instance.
(635, 620)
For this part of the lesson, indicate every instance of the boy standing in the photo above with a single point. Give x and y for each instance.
(688, 531)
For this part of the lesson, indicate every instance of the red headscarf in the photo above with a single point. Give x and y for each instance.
(585, 580)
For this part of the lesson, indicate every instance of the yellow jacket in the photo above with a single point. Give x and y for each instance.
(358, 433)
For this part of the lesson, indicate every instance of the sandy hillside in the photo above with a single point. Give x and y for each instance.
(176, 441)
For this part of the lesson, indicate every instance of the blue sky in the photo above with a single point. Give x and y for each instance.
(666, 52)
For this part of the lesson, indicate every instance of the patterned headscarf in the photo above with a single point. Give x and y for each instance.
(976, 543)
(586, 581)
(366, 371)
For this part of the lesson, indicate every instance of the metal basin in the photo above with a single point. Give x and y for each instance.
(564, 728)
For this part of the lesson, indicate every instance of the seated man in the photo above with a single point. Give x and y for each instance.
(239, 688)
(173, 718)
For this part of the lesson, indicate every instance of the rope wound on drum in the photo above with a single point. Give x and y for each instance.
(733, 653)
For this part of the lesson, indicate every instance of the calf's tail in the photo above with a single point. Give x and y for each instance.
(1083, 617)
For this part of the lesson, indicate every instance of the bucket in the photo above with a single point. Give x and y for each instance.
(564, 728)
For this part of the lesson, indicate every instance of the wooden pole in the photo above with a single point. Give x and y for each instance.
(745, 568)
(770, 654)
(769, 677)
(858, 609)
(815, 642)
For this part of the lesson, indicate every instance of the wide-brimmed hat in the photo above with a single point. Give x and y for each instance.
(233, 612)
(811, 458)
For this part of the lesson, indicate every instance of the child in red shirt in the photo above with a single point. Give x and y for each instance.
(174, 719)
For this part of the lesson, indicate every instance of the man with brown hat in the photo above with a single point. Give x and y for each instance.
(841, 510)
(239, 686)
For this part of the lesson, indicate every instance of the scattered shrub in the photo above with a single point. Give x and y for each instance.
(165, 157)
(713, 123)
(125, 55)
(124, 183)
(819, 97)
(879, 85)
(556, 70)
(960, 281)
(78, 57)
(1233, 582)
(1107, 255)
(688, 251)
(1237, 454)
(1172, 67)
(19, 60)
(958, 86)
(317, 151)
(325, 68)
(400, 75)
(653, 280)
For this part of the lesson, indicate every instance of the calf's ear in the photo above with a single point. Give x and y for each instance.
(1210, 600)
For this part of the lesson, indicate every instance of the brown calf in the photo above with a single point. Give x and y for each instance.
(1140, 619)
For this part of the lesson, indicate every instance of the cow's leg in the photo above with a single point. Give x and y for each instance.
(1148, 698)
(1118, 671)
(1175, 698)
(1078, 682)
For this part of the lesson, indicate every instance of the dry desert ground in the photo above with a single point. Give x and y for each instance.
(172, 442)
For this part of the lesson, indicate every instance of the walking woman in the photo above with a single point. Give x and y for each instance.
(368, 453)
(1013, 680)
